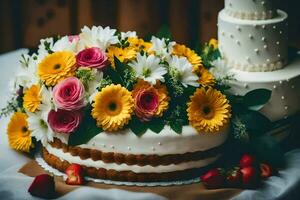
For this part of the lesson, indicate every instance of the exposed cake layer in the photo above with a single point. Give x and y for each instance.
(127, 175)
(99, 164)
(135, 159)
(285, 86)
(251, 9)
(165, 143)
(254, 45)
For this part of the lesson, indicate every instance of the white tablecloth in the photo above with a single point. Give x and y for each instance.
(14, 185)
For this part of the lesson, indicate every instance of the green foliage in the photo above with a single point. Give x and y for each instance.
(164, 32)
(87, 129)
(11, 106)
(104, 82)
(137, 127)
(208, 54)
(239, 129)
(85, 75)
(47, 47)
(256, 99)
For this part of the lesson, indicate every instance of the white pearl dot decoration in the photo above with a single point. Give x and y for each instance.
(245, 85)
(286, 107)
(263, 39)
(280, 82)
(104, 145)
(278, 43)
(282, 97)
(238, 42)
(265, 46)
(231, 36)
(238, 28)
(268, 60)
(263, 26)
(278, 55)
(129, 148)
(153, 148)
(280, 32)
(250, 36)
(285, 117)
(256, 51)
(274, 27)
(159, 143)
(247, 58)
(223, 33)
(274, 86)
(263, 3)
(112, 146)
(292, 86)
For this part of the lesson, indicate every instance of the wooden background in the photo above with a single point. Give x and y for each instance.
(24, 22)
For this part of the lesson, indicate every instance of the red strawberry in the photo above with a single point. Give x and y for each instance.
(250, 177)
(247, 160)
(234, 178)
(75, 175)
(265, 170)
(42, 186)
(213, 179)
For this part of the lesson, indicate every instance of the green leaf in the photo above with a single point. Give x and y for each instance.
(256, 99)
(87, 130)
(156, 125)
(268, 149)
(137, 127)
(176, 126)
(114, 76)
(255, 122)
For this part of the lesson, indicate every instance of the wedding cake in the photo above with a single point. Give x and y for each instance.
(253, 40)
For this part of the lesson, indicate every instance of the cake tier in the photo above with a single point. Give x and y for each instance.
(152, 157)
(254, 45)
(285, 86)
(251, 9)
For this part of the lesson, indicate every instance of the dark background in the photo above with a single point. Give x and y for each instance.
(24, 22)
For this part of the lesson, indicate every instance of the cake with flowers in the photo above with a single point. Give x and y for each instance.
(253, 40)
(123, 108)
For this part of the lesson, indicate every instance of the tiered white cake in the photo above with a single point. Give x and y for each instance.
(253, 41)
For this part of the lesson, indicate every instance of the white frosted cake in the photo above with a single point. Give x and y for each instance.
(254, 42)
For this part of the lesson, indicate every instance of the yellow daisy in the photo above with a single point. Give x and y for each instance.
(213, 43)
(32, 98)
(192, 56)
(112, 107)
(123, 54)
(139, 44)
(162, 93)
(18, 133)
(56, 67)
(205, 77)
(208, 110)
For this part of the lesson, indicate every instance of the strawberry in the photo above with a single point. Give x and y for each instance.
(247, 161)
(75, 175)
(43, 186)
(214, 178)
(265, 170)
(234, 178)
(250, 177)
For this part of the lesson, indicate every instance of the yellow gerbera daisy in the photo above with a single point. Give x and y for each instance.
(112, 107)
(192, 56)
(18, 133)
(139, 44)
(32, 98)
(161, 90)
(56, 67)
(123, 54)
(208, 110)
(213, 43)
(205, 77)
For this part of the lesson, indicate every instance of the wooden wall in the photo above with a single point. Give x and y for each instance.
(24, 22)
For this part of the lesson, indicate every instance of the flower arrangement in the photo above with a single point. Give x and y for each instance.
(106, 80)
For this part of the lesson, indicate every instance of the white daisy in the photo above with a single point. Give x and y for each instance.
(45, 45)
(220, 69)
(149, 68)
(39, 128)
(128, 34)
(161, 47)
(64, 44)
(182, 69)
(97, 37)
(26, 75)
(46, 103)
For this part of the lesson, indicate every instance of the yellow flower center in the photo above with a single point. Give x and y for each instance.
(113, 108)
(56, 66)
(24, 131)
(207, 112)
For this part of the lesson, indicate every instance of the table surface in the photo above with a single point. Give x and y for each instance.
(284, 186)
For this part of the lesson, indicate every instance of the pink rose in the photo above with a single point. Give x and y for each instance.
(63, 121)
(69, 94)
(73, 38)
(92, 57)
(146, 103)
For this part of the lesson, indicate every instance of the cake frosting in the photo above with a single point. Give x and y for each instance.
(253, 45)
(251, 9)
